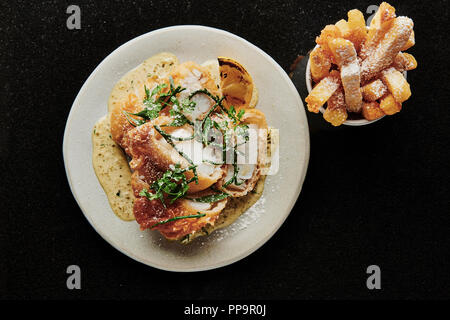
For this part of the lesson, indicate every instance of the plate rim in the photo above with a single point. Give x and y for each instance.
(299, 186)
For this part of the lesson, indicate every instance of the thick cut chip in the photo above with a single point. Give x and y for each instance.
(397, 84)
(357, 29)
(236, 83)
(323, 91)
(320, 64)
(343, 27)
(350, 77)
(405, 62)
(374, 90)
(353, 30)
(372, 111)
(380, 24)
(345, 55)
(342, 50)
(411, 42)
(389, 47)
(336, 112)
(389, 105)
(328, 33)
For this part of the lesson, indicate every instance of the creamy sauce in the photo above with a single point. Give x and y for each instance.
(112, 170)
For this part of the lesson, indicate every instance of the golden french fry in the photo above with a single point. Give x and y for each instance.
(404, 62)
(374, 90)
(343, 50)
(383, 56)
(372, 111)
(411, 42)
(343, 27)
(323, 91)
(345, 55)
(353, 30)
(357, 28)
(336, 111)
(320, 64)
(396, 84)
(380, 24)
(328, 33)
(389, 105)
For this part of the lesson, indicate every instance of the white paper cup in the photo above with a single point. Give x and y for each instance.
(356, 122)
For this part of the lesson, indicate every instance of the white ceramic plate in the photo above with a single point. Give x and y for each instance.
(279, 100)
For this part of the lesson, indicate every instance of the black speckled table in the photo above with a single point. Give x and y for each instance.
(373, 195)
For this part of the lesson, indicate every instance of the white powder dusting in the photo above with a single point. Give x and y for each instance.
(249, 217)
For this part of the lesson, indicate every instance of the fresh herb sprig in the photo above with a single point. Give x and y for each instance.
(234, 178)
(211, 198)
(231, 112)
(178, 111)
(153, 106)
(134, 122)
(235, 117)
(198, 215)
(206, 124)
(173, 184)
(241, 129)
(170, 138)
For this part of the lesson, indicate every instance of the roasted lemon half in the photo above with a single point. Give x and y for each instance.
(236, 84)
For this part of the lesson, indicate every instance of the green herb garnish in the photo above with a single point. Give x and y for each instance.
(171, 137)
(173, 184)
(233, 178)
(207, 126)
(132, 121)
(153, 106)
(242, 130)
(168, 138)
(240, 114)
(178, 111)
(233, 116)
(199, 215)
(211, 198)
(213, 162)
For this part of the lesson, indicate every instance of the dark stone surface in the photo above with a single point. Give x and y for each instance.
(372, 195)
